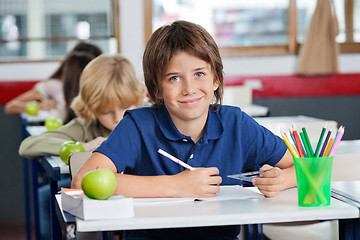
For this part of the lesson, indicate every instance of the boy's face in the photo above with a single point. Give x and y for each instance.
(187, 89)
(109, 118)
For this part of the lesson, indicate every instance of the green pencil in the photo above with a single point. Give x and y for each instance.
(320, 140)
(308, 142)
(305, 144)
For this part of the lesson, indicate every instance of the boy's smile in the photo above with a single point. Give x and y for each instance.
(188, 90)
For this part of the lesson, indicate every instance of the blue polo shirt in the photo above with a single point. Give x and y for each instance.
(232, 141)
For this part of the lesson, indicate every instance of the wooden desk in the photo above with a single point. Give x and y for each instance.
(54, 167)
(349, 192)
(282, 208)
(31, 125)
(40, 117)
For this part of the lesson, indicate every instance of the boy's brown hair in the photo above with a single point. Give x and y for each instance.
(167, 41)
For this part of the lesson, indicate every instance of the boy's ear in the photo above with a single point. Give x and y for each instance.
(216, 84)
(159, 95)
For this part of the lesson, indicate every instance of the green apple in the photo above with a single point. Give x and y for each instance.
(99, 184)
(68, 148)
(53, 123)
(32, 108)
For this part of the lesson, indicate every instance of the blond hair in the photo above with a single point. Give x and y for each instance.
(107, 81)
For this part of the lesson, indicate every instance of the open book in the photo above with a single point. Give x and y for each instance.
(226, 193)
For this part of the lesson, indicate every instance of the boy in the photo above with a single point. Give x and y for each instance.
(108, 87)
(183, 74)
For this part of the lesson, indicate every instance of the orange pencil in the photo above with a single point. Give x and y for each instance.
(326, 153)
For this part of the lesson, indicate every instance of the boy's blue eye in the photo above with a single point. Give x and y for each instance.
(199, 74)
(174, 79)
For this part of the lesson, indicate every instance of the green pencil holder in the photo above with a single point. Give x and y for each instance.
(313, 176)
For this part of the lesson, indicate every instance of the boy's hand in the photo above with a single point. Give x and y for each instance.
(202, 182)
(270, 183)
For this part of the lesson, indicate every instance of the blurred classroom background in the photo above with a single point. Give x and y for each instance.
(264, 45)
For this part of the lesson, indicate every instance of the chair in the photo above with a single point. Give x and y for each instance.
(76, 160)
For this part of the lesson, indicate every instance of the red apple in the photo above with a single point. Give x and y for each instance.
(53, 123)
(32, 108)
(99, 184)
(68, 148)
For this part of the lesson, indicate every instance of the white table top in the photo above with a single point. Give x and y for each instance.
(35, 130)
(348, 146)
(64, 168)
(282, 208)
(43, 115)
(40, 117)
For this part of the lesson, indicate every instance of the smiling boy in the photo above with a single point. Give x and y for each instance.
(183, 74)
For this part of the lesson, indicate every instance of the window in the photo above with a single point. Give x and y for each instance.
(43, 29)
(255, 26)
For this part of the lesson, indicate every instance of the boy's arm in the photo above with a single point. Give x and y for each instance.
(49, 143)
(203, 182)
(18, 104)
(281, 177)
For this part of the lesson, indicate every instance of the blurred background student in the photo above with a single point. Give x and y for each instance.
(50, 93)
(108, 87)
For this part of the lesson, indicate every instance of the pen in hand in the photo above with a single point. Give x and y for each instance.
(178, 161)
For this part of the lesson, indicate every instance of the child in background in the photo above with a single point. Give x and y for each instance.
(49, 93)
(184, 75)
(108, 86)
(73, 67)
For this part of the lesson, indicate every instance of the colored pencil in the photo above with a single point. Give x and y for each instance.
(290, 147)
(297, 142)
(337, 132)
(326, 153)
(305, 144)
(178, 161)
(302, 145)
(325, 143)
(292, 136)
(308, 143)
(337, 141)
(320, 140)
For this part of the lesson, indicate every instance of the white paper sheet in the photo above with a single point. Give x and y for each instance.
(226, 193)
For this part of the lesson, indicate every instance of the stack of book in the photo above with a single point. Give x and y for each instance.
(75, 202)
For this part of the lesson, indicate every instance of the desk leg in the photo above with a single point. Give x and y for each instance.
(27, 198)
(349, 229)
(106, 235)
(35, 188)
(253, 232)
(54, 221)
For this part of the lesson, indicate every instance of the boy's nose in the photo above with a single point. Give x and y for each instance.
(188, 86)
(118, 115)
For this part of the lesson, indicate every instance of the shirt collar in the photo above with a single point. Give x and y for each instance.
(213, 129)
